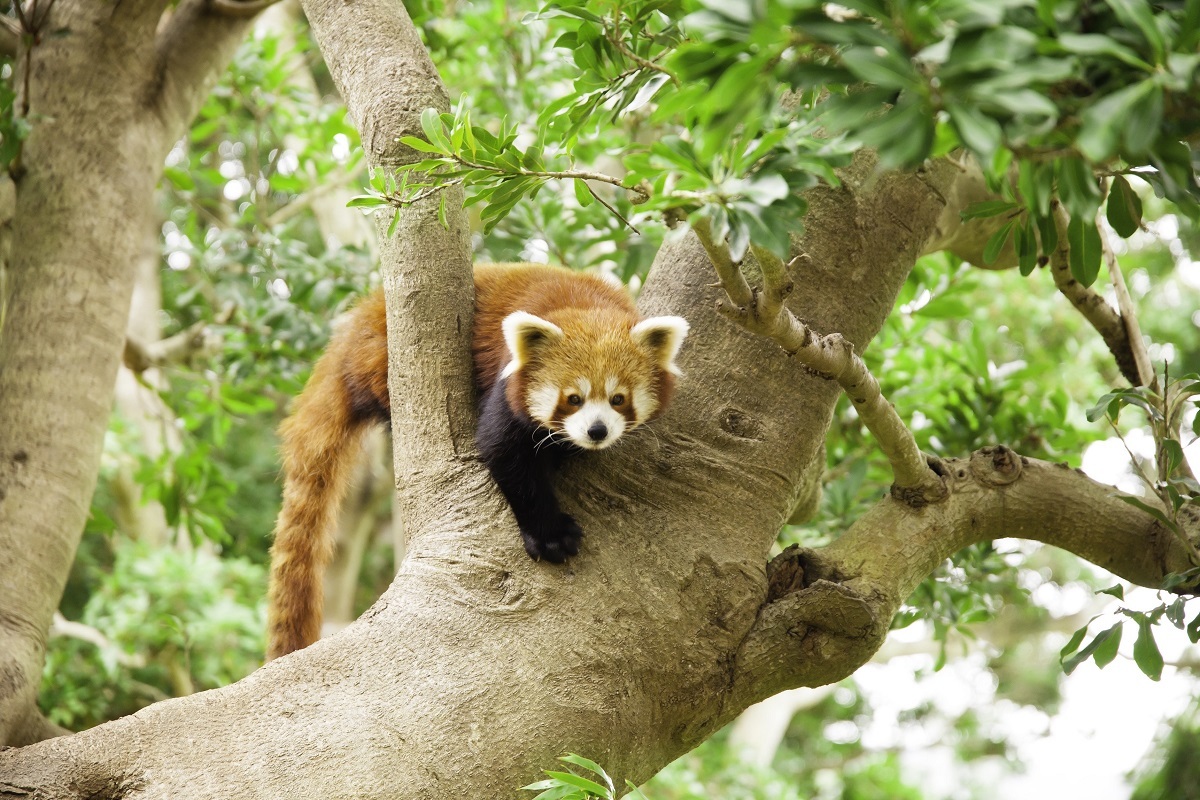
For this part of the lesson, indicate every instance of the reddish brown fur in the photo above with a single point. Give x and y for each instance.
(320, 442)
(348, 390)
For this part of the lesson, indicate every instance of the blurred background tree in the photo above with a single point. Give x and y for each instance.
(259, 253)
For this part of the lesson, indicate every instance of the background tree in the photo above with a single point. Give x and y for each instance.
(744, 446)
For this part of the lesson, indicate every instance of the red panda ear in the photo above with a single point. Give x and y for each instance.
(524, 333)
(662, 336)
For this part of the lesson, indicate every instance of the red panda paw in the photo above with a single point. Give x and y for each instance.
(555, 543)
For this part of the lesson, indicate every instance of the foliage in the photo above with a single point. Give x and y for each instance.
(739, 91)
(584, 131)
(571, 785)
(813, 764)
(171, 623)
(1173, 496)
(1170, 772)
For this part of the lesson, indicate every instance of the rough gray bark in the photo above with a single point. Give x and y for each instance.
(108, 94)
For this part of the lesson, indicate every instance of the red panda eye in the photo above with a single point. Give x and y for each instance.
(617, 399)
(575, 400)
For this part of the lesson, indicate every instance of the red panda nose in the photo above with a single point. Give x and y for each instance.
(597, 432)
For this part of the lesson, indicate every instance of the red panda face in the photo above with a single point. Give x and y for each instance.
(591, 375)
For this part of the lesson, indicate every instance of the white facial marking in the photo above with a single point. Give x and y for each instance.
(542, 402)
(591, 415)
(610, 385)
(644, 404)
(585, 387)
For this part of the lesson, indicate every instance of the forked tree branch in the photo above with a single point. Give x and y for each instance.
(198, 338)
(836, 605)
(762, 310)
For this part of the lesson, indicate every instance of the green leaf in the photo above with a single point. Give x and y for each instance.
(1124, 208)
(434, 130)
(180, 178)
(1048, 233)
(1073, 643)
(580, 782)
(420, 145)
(1035, 182)
(1103, 123)
(1069, 664)
(1145, 651)
(588, 764)
(976, 130)
(1116, 590)
(1027, 248)
(996, 242)
(1143, 123)
(1106, 645)
(1078, 188)
(1174, 453)
(1084, 240)
(1174, 613)
(1193, 630)
(583, 194)
(1095, 44)
(881, 67)
(987, 208)
(366, 201)
(1137, 14)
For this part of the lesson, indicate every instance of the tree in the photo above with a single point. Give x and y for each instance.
(477, 654)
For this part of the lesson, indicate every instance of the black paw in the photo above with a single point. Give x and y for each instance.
(554, 543)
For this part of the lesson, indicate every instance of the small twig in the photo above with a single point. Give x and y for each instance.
(1133, 331)
(832, 356)
(429, 191)
(306, 199)
(616, 42)
(557, 175)
(140, 356)
(612, 210)
(61, 626)
(1103, 317)
(728, 271)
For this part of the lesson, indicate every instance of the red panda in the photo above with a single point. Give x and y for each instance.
(562, 363)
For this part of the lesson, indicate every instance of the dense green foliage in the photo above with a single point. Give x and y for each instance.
(583, 133)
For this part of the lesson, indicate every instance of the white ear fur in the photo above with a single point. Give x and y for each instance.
(663, 336)
(523, 332)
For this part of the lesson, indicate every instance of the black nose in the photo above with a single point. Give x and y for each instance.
(597, 432)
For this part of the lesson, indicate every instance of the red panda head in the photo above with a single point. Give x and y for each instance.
(591, 375)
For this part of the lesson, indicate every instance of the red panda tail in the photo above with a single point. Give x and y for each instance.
(320, 444)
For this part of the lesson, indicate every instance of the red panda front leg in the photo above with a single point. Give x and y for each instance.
(508, 444)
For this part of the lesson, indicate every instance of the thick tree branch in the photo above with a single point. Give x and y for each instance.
(384, 73)
(762, 311)
(860, 580)
(191, 47)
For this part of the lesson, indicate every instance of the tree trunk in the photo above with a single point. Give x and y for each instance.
(107, 94)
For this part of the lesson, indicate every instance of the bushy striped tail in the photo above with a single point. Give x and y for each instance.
(320, 442)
